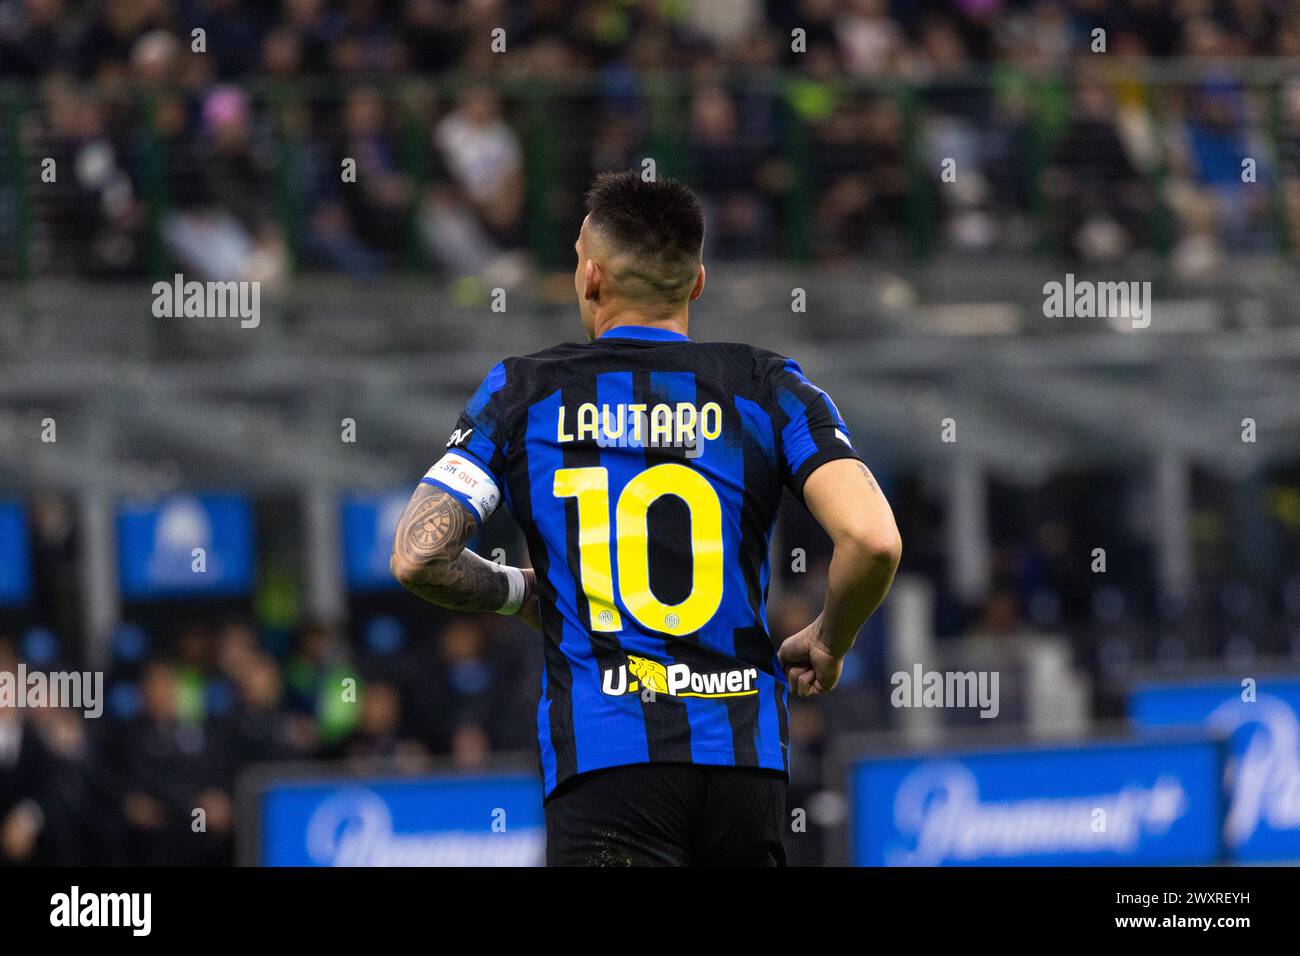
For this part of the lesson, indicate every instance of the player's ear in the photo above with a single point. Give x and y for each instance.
(699, 285)
(591, 280)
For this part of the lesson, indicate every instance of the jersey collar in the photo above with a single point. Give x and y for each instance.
(642, 333)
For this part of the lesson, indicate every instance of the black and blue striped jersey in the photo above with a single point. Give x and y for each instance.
(646, 471)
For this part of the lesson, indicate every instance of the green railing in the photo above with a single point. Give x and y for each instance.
(559, 124)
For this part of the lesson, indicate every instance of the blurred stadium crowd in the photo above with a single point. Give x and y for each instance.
(198, 694)
(182, 719)
(223, 162)
(226, 164)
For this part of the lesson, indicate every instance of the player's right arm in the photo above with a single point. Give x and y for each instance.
(846, 501)
(430, 554)
(430, 558)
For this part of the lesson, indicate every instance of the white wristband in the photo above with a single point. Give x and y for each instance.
(515, 596)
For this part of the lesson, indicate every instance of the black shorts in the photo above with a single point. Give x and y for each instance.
(668, 814)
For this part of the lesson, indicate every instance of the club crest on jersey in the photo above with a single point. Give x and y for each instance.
(459, 436)
(676, 680)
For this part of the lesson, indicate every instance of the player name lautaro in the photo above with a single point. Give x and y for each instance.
(640, 425)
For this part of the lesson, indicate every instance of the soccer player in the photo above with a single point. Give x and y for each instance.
(646, 470)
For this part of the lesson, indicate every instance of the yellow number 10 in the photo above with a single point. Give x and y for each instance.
(590, 486)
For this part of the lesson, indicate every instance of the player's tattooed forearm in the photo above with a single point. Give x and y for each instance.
(469, 583)
(434, 524)
(430, 544)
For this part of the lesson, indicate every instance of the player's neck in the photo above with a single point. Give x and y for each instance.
(677, 322)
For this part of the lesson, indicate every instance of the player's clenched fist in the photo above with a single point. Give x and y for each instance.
(809, 665)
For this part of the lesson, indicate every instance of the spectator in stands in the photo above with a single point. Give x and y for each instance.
(367, 42)
(315, 26)
(871, 43)
(727, 169)
(232, 231)
(86, 196)
(26, 776)
(321, 682)
(1097, 193)
(233, 27)
(194, 672)
(315, 180)
(83, 815)
(105, 47)
(379, 201)
(840, 181)
(436, 34)
(260, 728)
(156, 59)
(282, 54)
(472, 223)
(168, 768)
(1218, 209)
(377, 741)
(27, 780)
(35, 39)
(958, 133)
(466, 685)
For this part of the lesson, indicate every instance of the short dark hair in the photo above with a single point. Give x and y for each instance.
(659, 223)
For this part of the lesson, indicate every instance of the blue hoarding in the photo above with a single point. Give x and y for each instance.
(487, 820)
(1260, 718)
(185, 545)
(15, 555)
(369, 522)
(1142, 803)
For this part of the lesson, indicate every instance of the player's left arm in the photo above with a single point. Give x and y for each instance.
(430, 558)
(821, 467)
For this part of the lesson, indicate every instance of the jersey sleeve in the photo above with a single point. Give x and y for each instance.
(810, 429)
(473, 468)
